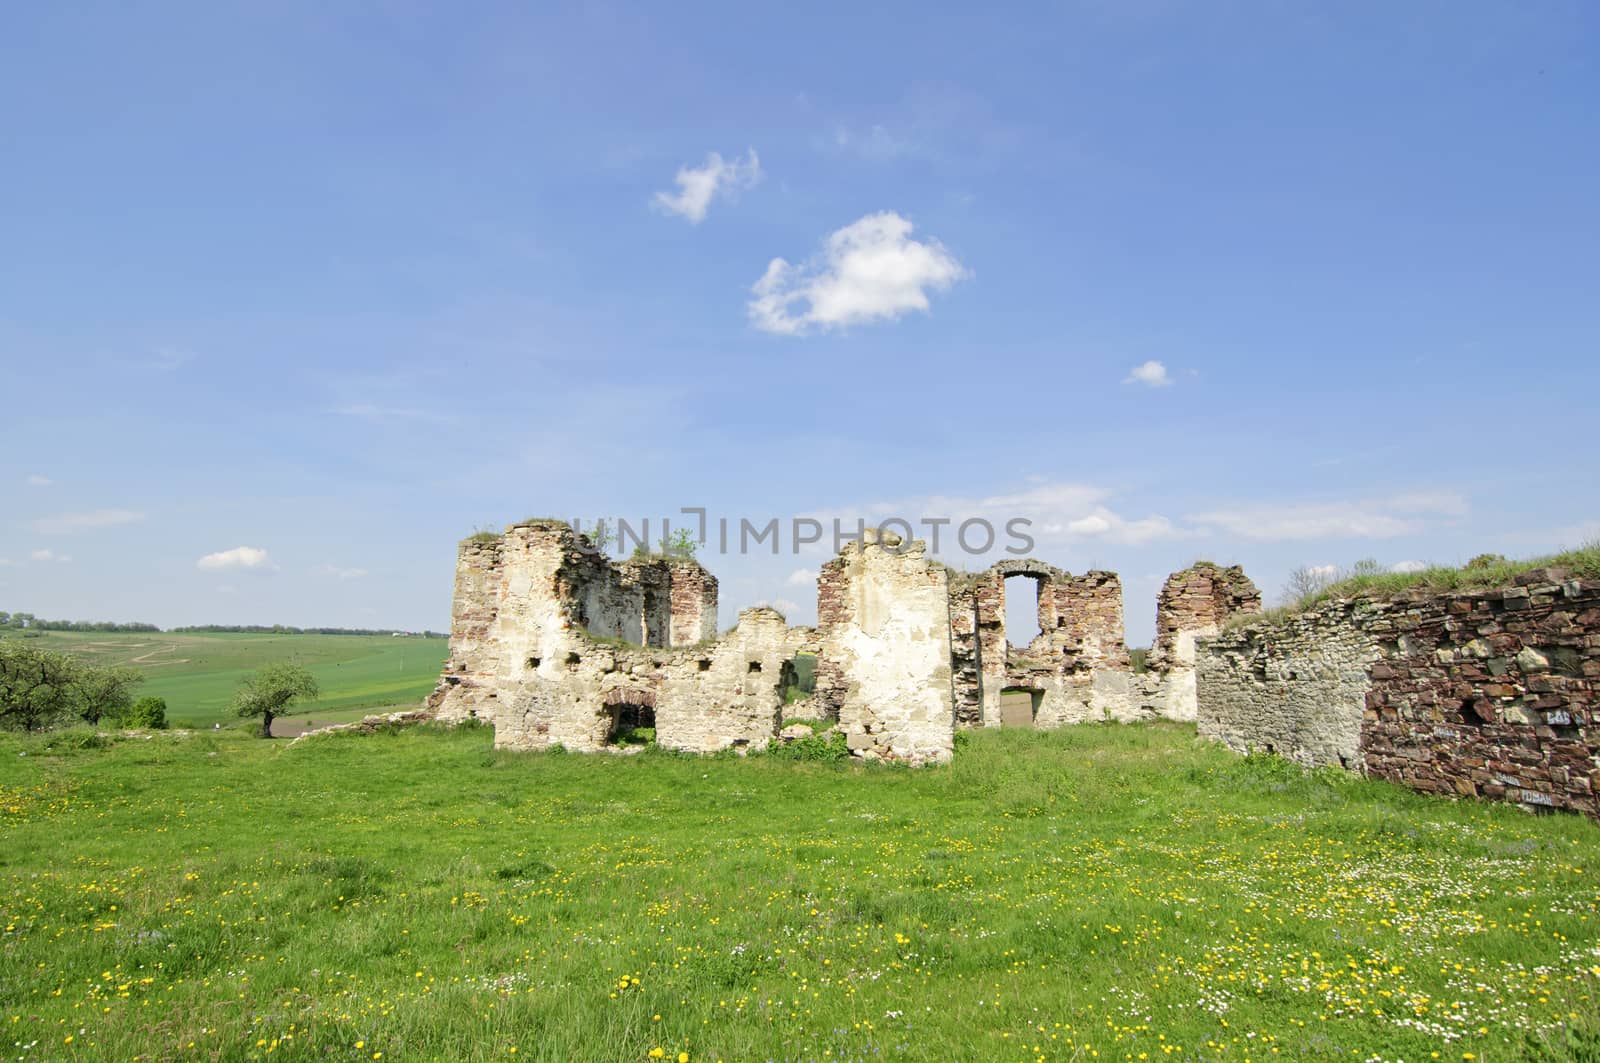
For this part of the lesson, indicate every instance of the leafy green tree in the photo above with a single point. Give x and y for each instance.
(103, 693)
(680, 543)
(36, 686)
(272, 689)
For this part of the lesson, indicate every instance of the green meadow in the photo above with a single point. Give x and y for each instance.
(197, 673)
(1100, 892)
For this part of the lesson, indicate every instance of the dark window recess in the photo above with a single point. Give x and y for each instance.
(533, 662)
(705, 664)
(572, 661)
(755, 666)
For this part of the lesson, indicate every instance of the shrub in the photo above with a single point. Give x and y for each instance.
(149, 713)
(830, 748)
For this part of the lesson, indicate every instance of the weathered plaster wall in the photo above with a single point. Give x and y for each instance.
(1488, 693)
(885, 635)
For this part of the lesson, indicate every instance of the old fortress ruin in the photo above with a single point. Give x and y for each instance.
(1484, 693)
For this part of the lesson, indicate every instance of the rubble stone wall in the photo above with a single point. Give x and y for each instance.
(1488, 693)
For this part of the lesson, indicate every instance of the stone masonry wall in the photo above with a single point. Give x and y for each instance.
(1486, 693)
(1297, 688)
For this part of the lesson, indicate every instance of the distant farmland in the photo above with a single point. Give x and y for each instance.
(197, 673)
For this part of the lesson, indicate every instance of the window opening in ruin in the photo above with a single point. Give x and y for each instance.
(705, 664)
(572, 662)
(1019, 706)
(533, 662)
(755, 666)
(798, 678)
(1022, 610)
(633, 725)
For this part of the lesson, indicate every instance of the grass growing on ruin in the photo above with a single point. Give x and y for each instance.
(1100, 892)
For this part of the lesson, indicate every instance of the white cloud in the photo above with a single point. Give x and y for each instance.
(67, 523)
(38, 481)
(1324, 572)
(784, 605)
(869, 270)
(238, 557)
(1408, 566)
(802, 577)
(1151, 374)
(699, 185)
(1373, 518)
(6, 562)
(49, 555)
(342, 573)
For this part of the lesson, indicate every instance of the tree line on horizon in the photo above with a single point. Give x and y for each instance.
(29, 622)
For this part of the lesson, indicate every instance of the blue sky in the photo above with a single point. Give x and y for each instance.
(312, 291)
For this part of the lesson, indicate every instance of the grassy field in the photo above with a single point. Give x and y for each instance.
(1100, 892)
(197, 673)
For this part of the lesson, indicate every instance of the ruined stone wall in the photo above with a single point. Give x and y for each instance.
(554, 643)
(1487, 693)
(1076, 668)
(1194, 603)
(883, 630)
(1298, 688)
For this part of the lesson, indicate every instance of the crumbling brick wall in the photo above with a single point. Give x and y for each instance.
(1487, 693)
(1194, 603)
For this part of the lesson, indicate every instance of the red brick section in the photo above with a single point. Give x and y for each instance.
(694, 600)
(1089, 608)
(1202, 596)
(833, 610)
(1491, 693)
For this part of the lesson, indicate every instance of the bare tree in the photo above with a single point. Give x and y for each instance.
(1307, 581)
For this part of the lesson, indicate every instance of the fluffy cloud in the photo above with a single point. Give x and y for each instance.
(1151, 374)
(238, 557)
(38, 481)
(1374, 518)
(1409, 566)
(1324, 572)
(870, 270)
(802, 577)
(784, 605)
(49, 555)
(67, 523)
(699, 185)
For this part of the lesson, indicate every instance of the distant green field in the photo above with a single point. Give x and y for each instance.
(197, 673)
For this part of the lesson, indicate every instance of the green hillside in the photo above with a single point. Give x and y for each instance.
(197, 673)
